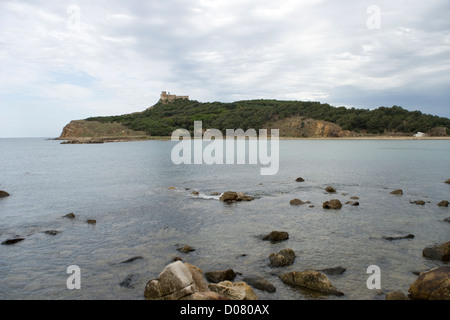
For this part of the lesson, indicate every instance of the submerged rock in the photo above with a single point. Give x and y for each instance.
(282, 258)
(418, 202)
(300, 179)
(447, 181)
(438, 252)
(443, 203)
(432, 285)
(276, 236)
(330, 190)
(132, 259)
(91, 221)
(409, 236)
(260, 283)
(312, 280)
(52, 232)
(4, 194)
(298, 202)
(186, 249)
(334, 271)
(397, 192)
(12, 241)
(332, 204)
(69, 215)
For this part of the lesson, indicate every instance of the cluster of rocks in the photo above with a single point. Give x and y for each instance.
(184, 281)
(232, 196)
(49, 232)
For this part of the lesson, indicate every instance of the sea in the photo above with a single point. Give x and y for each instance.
(146, 207)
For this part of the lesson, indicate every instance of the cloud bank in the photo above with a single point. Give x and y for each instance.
(69, 60)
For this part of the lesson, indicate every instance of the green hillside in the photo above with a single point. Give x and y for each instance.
(163, 118)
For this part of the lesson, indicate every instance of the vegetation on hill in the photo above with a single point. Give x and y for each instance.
(163, 118)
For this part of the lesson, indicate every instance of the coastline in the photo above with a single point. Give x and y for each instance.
(100, 140)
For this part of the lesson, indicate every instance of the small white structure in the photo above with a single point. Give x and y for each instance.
(420, 135)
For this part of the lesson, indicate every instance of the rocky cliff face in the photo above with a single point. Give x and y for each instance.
(309, 128)
(95, 129)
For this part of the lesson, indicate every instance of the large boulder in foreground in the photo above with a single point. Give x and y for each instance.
(438, 252)
(312, 280)
(432, 285)
(231, 196)
(183, 281)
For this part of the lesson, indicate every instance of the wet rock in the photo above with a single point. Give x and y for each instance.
(418, 202)
(447, 219)
(443, 203)
(334, 271)
(186, 249)
(438, 252)
(447, 181)
(330, 189)
(353, 203)
(171, 188)
(221, 275)
(128, 282)
(354, 198)
(234, 290)
(215, 194)
(398, 192)
(132, 259)
(312, 280)
(69, 215)
(282, 258)
(4, 194)
(260, 283)
(409, 236)
(396, 295)
(298, 202)
(300, 179)
(276, 236)
(228, 196)
(12, 241)
(332, 204)
(432, 285)
(91, 221)
(231, 196)
(196, 193)
(52, 232)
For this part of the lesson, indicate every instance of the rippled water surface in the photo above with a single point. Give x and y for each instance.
(125, 188)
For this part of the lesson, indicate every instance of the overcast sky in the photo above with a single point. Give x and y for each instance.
(68, 60)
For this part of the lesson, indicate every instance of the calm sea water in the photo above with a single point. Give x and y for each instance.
(125, 188)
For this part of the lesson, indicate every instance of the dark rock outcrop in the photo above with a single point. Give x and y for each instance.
(260, 283)
(282, 258)
(332, 204)
(398, 192)
(4, 194)
(276, 236)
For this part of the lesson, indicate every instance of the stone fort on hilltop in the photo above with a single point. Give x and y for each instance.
(167, 97)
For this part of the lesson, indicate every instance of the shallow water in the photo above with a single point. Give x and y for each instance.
(124, 186)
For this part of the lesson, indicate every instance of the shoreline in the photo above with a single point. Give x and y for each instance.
(100, 140)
